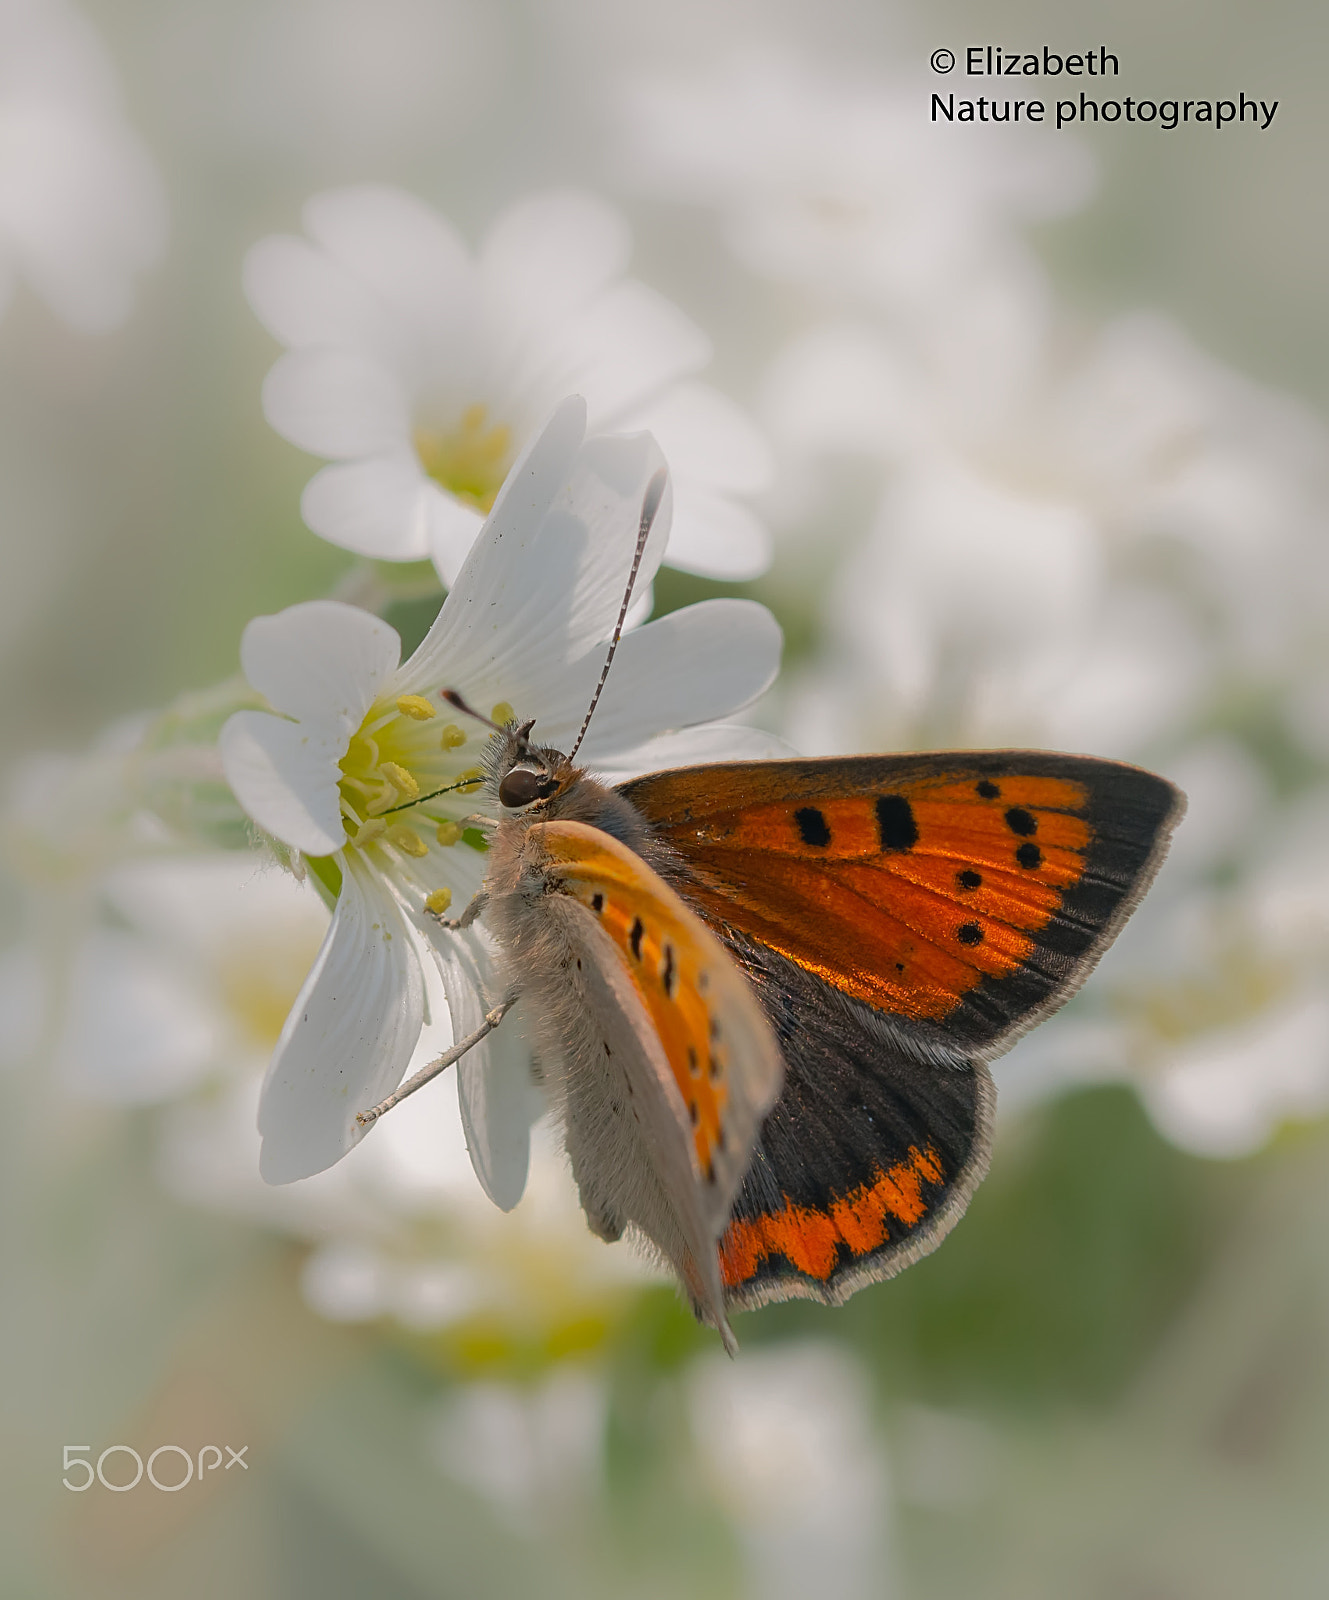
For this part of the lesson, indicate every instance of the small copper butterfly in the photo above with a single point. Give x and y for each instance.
(764, 995)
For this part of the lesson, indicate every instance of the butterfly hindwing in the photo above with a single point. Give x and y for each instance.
(967, 893)
(867, 1160)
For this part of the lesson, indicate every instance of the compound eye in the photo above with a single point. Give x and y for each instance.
(523, 785)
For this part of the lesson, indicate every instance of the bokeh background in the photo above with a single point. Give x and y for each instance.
(1048, 466)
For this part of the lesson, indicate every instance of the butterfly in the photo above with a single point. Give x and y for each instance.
(763, 996)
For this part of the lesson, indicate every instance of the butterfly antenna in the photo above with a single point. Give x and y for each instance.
(650, 505)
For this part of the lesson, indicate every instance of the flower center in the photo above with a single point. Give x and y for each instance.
(407, 787)
(471, 460)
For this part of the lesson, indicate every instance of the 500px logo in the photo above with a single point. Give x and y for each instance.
(176, 1471)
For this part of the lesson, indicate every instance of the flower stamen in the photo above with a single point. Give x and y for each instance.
(407, 840)
(471, 460)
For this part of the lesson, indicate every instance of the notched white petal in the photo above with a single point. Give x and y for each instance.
(336, 403)
(321, 661)
(349, 1037)
(716, 741)
(553, 251)
(285, 776)
(379, 507)
(705, 661)
(411, 257)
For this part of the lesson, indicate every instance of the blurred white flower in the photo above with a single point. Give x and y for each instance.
(81, 204)
(401, 1228)
(535, 1453)
(786, 1444)
(192, 979)
(358, 771)
(1080, 561)
(422, 371)
(844, 187)
(1227, 1092)
(178, 992)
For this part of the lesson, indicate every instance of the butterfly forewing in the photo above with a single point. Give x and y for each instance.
(968, 893)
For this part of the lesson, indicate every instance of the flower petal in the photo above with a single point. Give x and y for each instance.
(379, 508)
(717, 537)
(453, 530)
(704, 434)
(286, 779)
(715, 741)
(691, 666)
(349, 1036)
(337, 403)
(544, 581)
(496, 1091)
(320, 660)
(551, 253)
(412, 258)
(626, 347)
(305, 298)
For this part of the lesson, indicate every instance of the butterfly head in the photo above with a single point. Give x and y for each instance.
(528, 776)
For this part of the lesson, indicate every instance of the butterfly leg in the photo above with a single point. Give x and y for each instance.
(440, 1064)
(478, 902)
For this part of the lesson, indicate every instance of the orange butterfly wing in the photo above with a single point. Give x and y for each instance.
(969, 892)
(902, 919)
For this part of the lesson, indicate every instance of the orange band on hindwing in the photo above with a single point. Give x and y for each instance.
(813, 1242)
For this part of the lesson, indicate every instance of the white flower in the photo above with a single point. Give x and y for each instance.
(845, 188)
(81, 207)
(1079, 558)
(363, 767)
(422, 371)
(192, 980)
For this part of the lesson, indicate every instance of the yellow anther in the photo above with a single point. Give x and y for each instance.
(375, 828)
(415, 705)
(452, 737)
(448, 832)
(401, 780)
(407, 840)
(439, 901)
(472, 778)
(503, 714)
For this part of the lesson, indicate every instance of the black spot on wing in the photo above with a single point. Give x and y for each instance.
(669, 973)
(1020, 821)
(969, 879)
(634, 938)
(597, 902)
(1029, 855)
(988, 789)
(896, 826)
(969, 933)
(812, 827)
